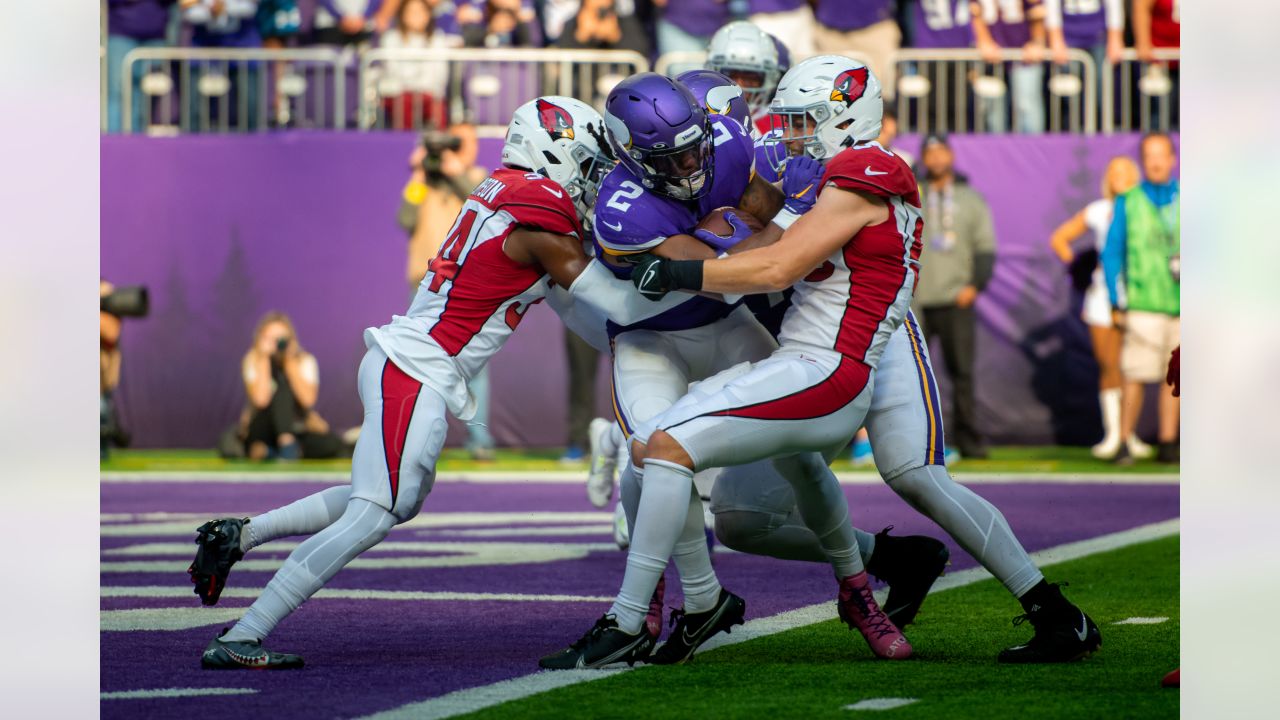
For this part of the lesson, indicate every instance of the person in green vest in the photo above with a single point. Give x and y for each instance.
(1142, 264)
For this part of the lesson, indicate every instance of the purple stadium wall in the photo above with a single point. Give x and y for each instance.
(224, 228)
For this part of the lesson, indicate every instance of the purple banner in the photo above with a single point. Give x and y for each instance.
(223, 229)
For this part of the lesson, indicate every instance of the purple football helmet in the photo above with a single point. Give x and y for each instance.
(660, 132)
(717, 94)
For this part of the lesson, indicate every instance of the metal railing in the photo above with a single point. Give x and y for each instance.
(1140, 96)
(404, 88)
(955, 90)
(673, 63)
(221, 89)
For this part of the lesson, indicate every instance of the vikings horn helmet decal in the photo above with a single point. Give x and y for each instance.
(849, 85)
(555, 120)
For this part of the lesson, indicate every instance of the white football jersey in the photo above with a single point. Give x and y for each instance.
(474, 295)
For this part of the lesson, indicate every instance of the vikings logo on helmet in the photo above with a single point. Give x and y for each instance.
(555, 120)
(850, 85)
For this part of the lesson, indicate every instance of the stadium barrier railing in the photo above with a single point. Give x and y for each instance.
(673, 63)
(240, 89)
(398, 88)
(1140, 96)
(956, 90)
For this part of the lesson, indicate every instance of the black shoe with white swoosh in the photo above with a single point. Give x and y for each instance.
(245, 655)
(1064, 636)
(692, 629)
(604, 644)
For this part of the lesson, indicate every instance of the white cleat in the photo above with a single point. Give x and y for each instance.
(604, 455)
(1140, 450)
(1106, 449)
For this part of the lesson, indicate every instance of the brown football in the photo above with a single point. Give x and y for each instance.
(715, 222)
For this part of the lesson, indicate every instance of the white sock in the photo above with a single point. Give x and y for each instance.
(659, 522)
(970, 520)
(307, 516)
(311, 565)
(693, 561)
(1109, 400)
(824, 509)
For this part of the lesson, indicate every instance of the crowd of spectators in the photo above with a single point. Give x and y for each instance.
(1041, 29)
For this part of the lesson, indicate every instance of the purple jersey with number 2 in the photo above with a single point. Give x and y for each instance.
(629, 219)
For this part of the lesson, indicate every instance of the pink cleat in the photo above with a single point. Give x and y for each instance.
(653, 620)
(858, 609)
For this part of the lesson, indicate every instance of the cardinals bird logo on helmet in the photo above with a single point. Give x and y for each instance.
(849, 85)
(555, 120)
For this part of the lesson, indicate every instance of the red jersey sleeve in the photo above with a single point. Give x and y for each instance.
(871, 169)
(536, 202)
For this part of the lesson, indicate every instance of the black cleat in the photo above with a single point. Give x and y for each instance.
(1063, 634)
(693, 629)
(246, 655)
(217, 549)
(909, 565)
(604, 644)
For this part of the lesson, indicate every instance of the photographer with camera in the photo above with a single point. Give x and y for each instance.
(113, 306)
(282, 382)
(442, 172)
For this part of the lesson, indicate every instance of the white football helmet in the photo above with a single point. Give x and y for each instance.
(830, 102)
(563, 139)
(749, 57)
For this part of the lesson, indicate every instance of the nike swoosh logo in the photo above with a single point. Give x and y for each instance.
(553, 191)
(806, 189)
(1083, 632)
(611, 226)
(869, 171)
(648, 275)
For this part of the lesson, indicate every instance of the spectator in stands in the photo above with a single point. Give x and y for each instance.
(1156, 24)
(131, 24)
(956, 265)
(789, 20)
(439, 182)
(279, 22)
(282, 382)
(687, 25)
(1096, 27)
(351, 22)
(600, 26)
(1120, 177)
(1012, 24)
(934, 24)
(502, 23)
(868, 27)
(225, 24)
(1143, 266)
(421, 101)
(889, 133)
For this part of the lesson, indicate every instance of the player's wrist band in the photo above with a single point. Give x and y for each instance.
(785, 218)
(684, 274)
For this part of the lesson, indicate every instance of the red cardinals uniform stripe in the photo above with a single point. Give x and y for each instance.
(399, 398)
(832, 393)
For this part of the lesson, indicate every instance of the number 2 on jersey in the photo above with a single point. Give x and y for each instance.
(626, 191)
(444, 266)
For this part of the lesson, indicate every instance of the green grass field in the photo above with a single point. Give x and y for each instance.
(815, 671)
(1042, 459)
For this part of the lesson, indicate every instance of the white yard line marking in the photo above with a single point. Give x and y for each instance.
(460, 555)
(880, 703)
(1141, 621)
(174, 693)
(187, 528)
(470, 700)
(561, 477)
(177, 591)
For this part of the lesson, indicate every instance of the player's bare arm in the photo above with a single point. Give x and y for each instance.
(761, 199)
(559, 256)
(837, 216)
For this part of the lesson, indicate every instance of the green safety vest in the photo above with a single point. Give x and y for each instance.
(1152, 243)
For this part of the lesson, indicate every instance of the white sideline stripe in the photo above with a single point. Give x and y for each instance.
(561, 477)
(187, 528)
(174, 693)
(466, 701)
(1141, 621)
(166, 591)
(880, 703)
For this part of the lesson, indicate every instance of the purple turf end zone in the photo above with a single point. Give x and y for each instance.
(368, 655)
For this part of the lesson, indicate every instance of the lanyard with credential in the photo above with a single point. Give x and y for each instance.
(946, 240)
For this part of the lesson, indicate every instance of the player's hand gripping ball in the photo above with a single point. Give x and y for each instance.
(725, 227)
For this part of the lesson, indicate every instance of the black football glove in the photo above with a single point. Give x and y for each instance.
(656, 276)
